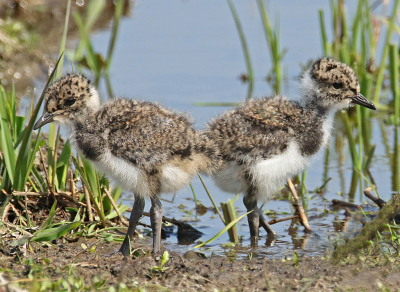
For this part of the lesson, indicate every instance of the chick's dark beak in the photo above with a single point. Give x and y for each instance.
(45, 119)
(361, 100)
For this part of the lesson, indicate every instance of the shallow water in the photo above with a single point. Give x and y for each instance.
(181, 52)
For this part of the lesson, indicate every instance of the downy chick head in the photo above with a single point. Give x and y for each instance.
(332, 85)
(70, 98)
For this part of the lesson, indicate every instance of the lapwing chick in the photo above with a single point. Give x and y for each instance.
(264, 142)
(144, 147)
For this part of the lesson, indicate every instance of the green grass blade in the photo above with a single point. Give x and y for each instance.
(368, 157)
(7, 147)
(64, 39)
(116, 193)
(54, 233)
(13, 113)
(352, 143)
(91, 56)
(93, 11)
(118, 13)
(360, 137)
(227, 227)
(93, 199)
(40, 183)
(230, 215)
(22, 167)
(49, 219)
(394, 80)
(63, 165)
(272, 38)
(114, 214)
(244, 46)
(52, 156)
(323, 33)
(382, 67)
(212, 199)
(92, 178)
(356, 25)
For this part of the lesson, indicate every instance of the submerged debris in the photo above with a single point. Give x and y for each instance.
(388, 212)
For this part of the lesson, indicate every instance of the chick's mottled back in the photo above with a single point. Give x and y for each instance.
(262, 128)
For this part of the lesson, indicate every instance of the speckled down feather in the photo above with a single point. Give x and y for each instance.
(262, 128)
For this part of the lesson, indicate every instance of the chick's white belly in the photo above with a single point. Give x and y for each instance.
(134, 179)
(173, 179)
(126, 175)
(231, 178)
(265, 175)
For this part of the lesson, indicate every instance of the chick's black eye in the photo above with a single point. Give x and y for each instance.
(337, 85)
(69, 101)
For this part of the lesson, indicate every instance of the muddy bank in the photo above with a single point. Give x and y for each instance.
(193, 272)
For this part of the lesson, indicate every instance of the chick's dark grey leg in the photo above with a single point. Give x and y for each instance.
(266, 226)
(156, 222)
(253, 217)
(137, 211)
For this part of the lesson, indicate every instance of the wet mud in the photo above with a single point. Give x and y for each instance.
(191, 271)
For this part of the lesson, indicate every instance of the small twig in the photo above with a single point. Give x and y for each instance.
(49, 187)
(41, 194)
(17, 228)
(72, 182)
(344, 204)
(65, 199)
(378, 201)
(298, 206)
(19, 215)
(381, 203)
(183, 228)
(122, 218)
(5, 212)
(87, 195)
(205, 279)
(274, 221)
(88, 203)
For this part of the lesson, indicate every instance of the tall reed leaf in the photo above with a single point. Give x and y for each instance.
(382, 67)
(63, 165)
(64, 38)
(93, 11)
(325, 44)
(245, 49)
(26, 156)
(118, 12)
(394, 80)
(93, 60)
(272, 37)
(6, 141)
